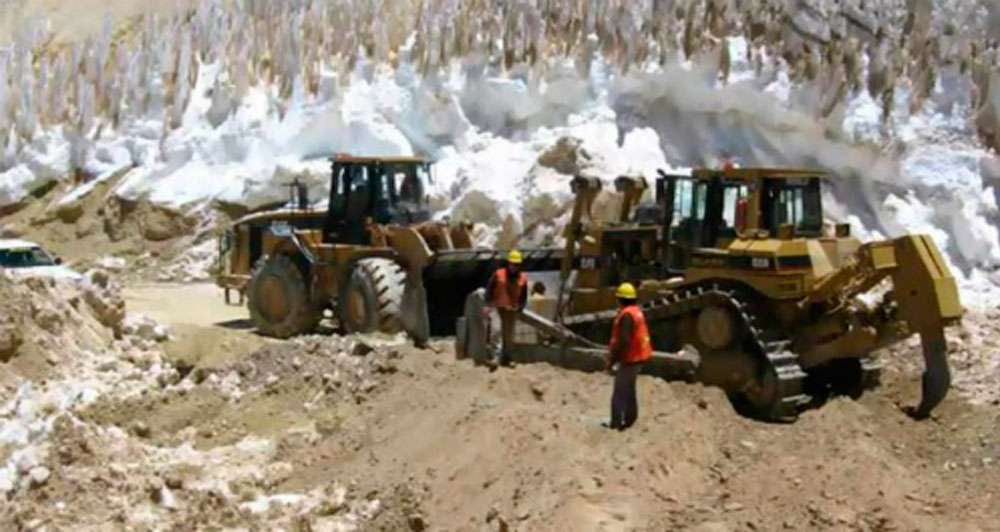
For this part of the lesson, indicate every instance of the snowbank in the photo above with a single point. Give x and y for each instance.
(200, 117)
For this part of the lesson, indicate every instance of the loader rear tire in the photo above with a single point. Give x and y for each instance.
(373, 298)
(279, 300)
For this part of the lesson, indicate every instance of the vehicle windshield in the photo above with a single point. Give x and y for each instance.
(25, 258)
(407, 182)
(794, 202)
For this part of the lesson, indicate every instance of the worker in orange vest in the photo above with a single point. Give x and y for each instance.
(507, 292)
(630, 348)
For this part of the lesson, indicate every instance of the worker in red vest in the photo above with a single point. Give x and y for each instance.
(630, 348)
(507, 292)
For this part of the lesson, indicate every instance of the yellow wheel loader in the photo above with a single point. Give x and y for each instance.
(782, 309)
(373, 257)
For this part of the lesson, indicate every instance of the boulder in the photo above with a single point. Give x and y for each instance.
(145, 328)
(105, 299)
(567, 156)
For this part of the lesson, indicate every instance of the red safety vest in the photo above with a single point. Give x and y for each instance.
(640, 348)
(741, 215)
(508, 295)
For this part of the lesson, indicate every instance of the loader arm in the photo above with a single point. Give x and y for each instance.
(585, 191)
(631, 189)
(924, 297)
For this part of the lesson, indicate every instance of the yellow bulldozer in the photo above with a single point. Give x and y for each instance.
(373, 256)
(783, 309)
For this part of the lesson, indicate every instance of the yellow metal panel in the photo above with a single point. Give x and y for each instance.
(740, 246)
(926, 290)
(884, 257)
(820, 260)
(829, 246)
(944, 283)
(769, 246)
(793, 248)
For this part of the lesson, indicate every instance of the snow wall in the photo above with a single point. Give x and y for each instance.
(225, 107)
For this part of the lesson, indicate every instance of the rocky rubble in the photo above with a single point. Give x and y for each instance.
(336, 368)
(194, 264)
(11, 336)
(91, 449)
(973, 352)
(64, 349)
(97, 475)
(105, 299)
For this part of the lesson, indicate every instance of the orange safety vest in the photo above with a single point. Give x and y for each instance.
(506, 295)
(640, 348)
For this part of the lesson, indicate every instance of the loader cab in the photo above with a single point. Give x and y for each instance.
(374, 190)
(710, 209)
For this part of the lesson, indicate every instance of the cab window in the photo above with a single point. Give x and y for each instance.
(683, 202)
(795, 202)
(25, 258)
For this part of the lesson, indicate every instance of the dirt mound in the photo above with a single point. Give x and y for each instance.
(370, 433)
(347, 367)
(106, 477)
(288, 390)
(211, 446)
(136, 239)
(70, 349)
(11, 322)
(525, 450)
(98, 429)
(442, 444)
(44, 322)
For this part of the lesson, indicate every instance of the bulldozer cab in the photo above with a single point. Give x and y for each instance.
(388, 190)
(710, 209)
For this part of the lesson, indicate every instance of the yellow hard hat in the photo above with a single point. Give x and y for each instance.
(626, 291)
(514, 257)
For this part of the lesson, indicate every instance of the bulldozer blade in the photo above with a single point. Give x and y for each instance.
(554, 330)
(667, 366)
(937, 377)
(566, 350)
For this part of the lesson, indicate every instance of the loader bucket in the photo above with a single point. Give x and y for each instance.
(452, 275)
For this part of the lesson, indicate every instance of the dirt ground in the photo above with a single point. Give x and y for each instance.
(451, 446)
(373, 434)
(205, 331)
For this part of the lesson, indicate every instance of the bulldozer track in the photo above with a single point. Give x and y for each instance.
(766, 344)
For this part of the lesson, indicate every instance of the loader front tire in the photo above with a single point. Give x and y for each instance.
(373, 297)
(279, 301)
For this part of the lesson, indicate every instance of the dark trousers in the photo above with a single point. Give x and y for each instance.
(508, 322)
(624, 402)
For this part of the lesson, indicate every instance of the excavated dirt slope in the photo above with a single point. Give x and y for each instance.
(340, 433)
